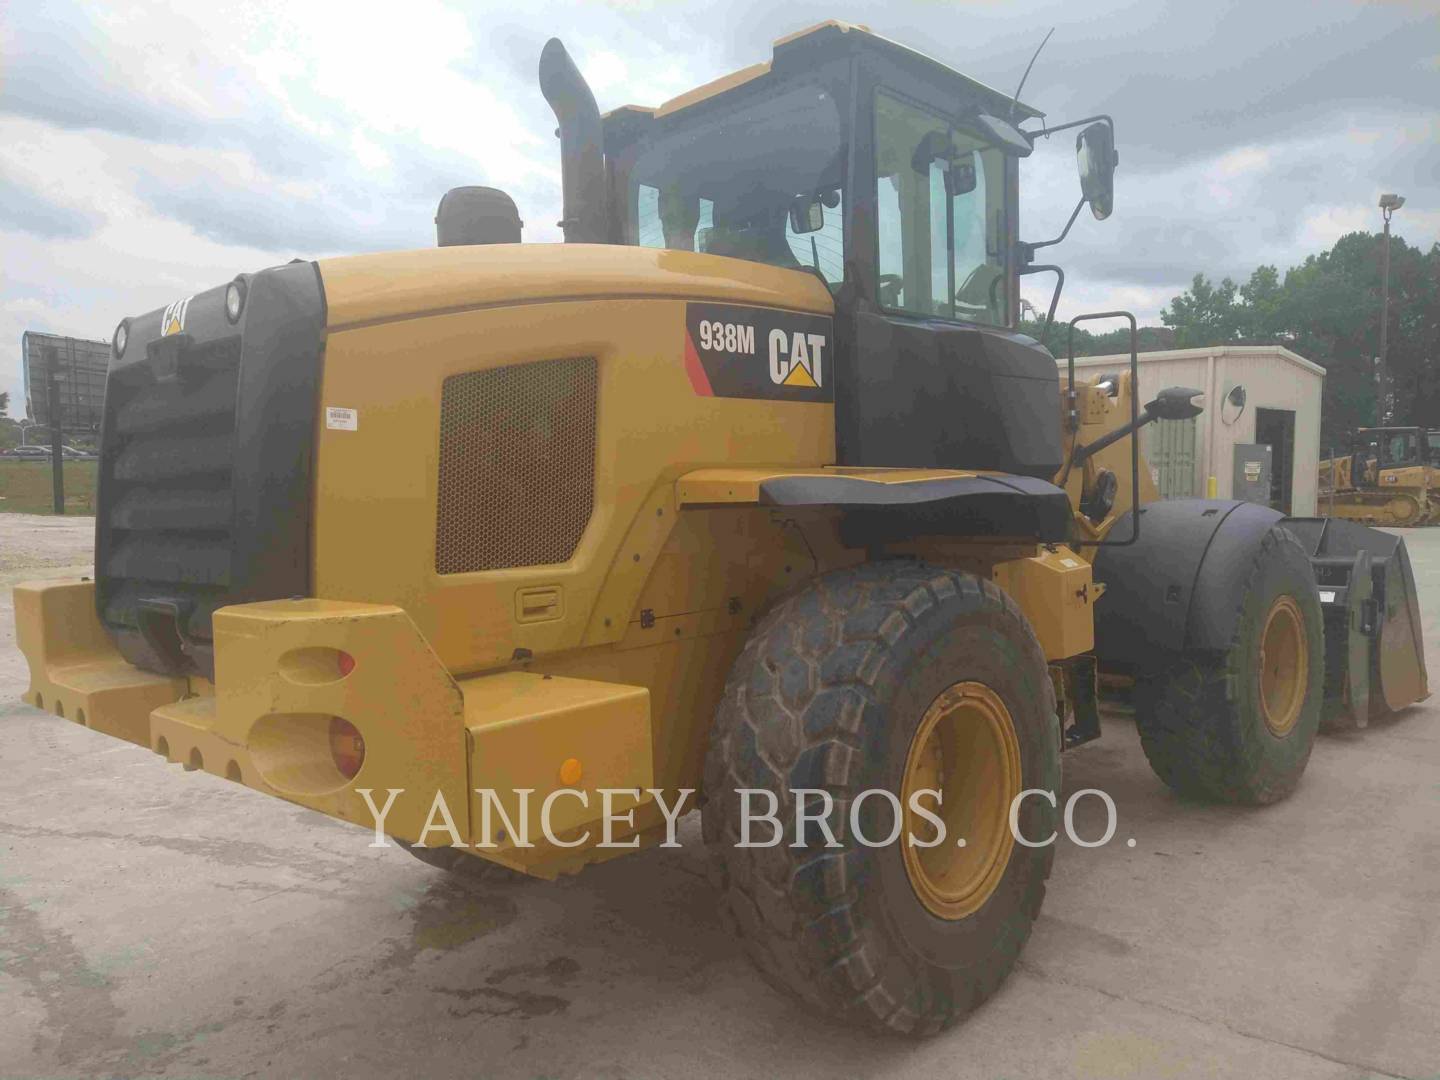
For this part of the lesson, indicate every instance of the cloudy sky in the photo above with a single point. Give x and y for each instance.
(150, 150)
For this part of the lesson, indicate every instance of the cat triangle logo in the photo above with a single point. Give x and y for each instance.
(800, 376)
(797, 360)
(173, 321)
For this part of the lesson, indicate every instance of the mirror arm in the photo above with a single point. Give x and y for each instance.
(1032, 248)
(1110, 438)
(1047, 131)
(1155, 410)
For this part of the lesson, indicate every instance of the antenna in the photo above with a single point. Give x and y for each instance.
(1015, 102)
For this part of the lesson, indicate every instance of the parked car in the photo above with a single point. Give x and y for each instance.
(70, 453)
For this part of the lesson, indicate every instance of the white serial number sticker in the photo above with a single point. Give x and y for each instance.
(341, 419)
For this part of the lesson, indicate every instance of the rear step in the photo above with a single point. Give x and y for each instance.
(1374, 655)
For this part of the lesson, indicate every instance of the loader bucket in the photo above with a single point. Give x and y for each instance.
(1374, 654)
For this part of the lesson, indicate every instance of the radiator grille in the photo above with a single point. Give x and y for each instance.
(517, 465)
(165, 522)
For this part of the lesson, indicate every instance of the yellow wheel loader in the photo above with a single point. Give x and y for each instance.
(749, 495)
(1432, 462)
(1387, 479)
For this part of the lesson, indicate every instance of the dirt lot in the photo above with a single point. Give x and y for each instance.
(161, 923)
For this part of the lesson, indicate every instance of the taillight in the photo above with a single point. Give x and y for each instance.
(345, 663)
(347, 746)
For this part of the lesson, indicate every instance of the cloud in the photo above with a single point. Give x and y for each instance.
(1229, 213)
(25, 210)
(156, 148)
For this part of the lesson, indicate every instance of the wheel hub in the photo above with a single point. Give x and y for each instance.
(965, 748)
(1284, 666)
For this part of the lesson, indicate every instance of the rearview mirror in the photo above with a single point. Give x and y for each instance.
(959, 167)
(960, 175)
(807, 214)
(1096, 159)
(1175, 403)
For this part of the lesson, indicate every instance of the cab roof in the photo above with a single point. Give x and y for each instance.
(822, 42)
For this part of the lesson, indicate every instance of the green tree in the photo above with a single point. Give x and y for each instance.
(1089, 343)
(1327, 309)
(4, 404)
(1262, 314)
(1205, 314)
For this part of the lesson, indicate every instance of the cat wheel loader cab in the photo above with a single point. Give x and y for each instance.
(1388, 478)
(750, 494)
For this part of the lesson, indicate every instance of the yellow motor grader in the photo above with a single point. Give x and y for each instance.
(1389, 477)
(750, 493)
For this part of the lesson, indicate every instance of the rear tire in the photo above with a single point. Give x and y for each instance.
(838, 689)
(1228, 727)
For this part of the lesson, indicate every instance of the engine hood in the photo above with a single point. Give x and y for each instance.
(361, 290)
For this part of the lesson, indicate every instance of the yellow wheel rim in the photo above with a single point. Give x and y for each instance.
(1284, 666)
(965, 748)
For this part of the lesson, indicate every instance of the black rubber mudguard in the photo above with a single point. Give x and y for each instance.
(1173, 590)
(877, 512)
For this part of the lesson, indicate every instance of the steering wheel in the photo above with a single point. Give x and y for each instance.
(890, 288)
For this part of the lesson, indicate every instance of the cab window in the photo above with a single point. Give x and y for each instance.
(759, 182)
(1402, 449)
(821, 249)
(941, 205)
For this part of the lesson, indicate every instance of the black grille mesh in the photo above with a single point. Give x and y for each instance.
(167, 473)
(517, 465)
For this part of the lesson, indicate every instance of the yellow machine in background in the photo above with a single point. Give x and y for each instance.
(1388, 478)
(751, 488)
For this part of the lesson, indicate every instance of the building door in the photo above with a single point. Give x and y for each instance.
(1170, 450)
(1275, 428)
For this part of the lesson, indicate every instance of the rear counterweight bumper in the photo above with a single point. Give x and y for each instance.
(288, 670)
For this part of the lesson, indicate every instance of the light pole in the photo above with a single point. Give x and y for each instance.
(1388, 205)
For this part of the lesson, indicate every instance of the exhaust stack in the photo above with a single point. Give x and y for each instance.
(582, 159)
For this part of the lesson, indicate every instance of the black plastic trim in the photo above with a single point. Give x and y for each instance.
(281, 358)
(878, 512)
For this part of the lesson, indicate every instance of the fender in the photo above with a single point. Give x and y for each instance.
(966, 505)
(1175, 589)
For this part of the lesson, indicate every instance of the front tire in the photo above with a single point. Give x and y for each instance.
(1239, 726)
(890, 675)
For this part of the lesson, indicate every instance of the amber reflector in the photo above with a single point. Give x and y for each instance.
(347, 746)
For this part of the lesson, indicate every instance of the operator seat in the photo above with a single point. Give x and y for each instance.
(760, 238)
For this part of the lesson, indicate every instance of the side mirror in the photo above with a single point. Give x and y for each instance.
(1174, 403)
(1096, 159)
(807, 214)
